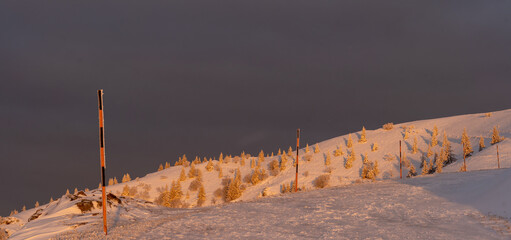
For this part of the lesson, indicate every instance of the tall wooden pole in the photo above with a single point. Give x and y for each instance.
(102, 154)
(400, 162)
(498, 158)
(297, 147)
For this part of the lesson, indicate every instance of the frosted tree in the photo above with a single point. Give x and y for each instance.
(110, 182)
(290, 151)
(260, 158)
(242, 161)
(406, 134)
(76, 191)
(327, 159)
(429, 152)
(126, 178)
(191, 172)
(481, 144)
(307, 150)
(411, 171)
(36, 204)
(465, 141)
(338, 152)
(350, 160)
(252, 163)
(375, 147)
(24, 208)
(350, 141)
(495, 137)
(67, 190)
(51, 199)
(167, 165)
(316, 148)
(363, 138)
(283, 162)
(182, 175)
(115, 180)
(233, 190)
(221, 158)
(415, 148)
(220, 174)
(254, 179)
(434, 137)
(366, 159)
(201, 196)
(160, 167)
(425, 166)
(376, 168)
(440, 161)
(209, 166)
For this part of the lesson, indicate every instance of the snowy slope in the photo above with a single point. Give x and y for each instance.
(387, 155)
(429, 207)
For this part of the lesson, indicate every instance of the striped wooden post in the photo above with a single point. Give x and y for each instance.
(102, 154)
(297, 147)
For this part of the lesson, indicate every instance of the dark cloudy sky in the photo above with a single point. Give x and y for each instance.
(204, 77)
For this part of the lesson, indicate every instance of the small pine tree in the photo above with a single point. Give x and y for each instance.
(375, 147)
(415, 148)
(465, 141)
(316, 148)
(307, 150)
(363, 138)
(290, 152)
(36, 204)
(233, 190)
(283, 162)
(67, 190)
(199, 175)
(160, 167)
(220, 174)
(76, 191)
(115, 180)
(182, 175)
(125, 191)
(327, 159)
(425, 166)
(481, 144)
(406, 134)
(434, 137)
(51, 199)
(127, 178)
(439, 161)
(350, 160)
(430, 152)
(376, 169)
(411, 172)
(366, 159)
(260, 157)
(338, 152)
(495, 137)
(201, 196)
(191, 172)
(350, 141)
(167, 165)
(209, 166)
(110, 182)
(221, 158)
(24, 208)
(252, 163)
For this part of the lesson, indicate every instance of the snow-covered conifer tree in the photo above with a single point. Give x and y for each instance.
(307, 150)
(182, 175)
(434, 137)
(209, 166)
(201, 196)
(465, 141)
(495, 137)
(316, 148)
(160, 167)
(350, 159)
(338, 152)
(481, 144)
(363, 138)
(350, 141)
(327, 159)
(375, 147)
(283, 162)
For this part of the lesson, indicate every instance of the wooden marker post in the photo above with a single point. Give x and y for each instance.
(102, 154)
(297, 147)
(498, 158)
(400, 162)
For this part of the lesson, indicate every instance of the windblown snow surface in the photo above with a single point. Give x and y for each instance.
(448, 205)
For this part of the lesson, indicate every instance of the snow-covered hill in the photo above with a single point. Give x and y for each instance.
(312, 165)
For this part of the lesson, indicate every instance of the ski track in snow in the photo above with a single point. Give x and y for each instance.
(392, 209)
